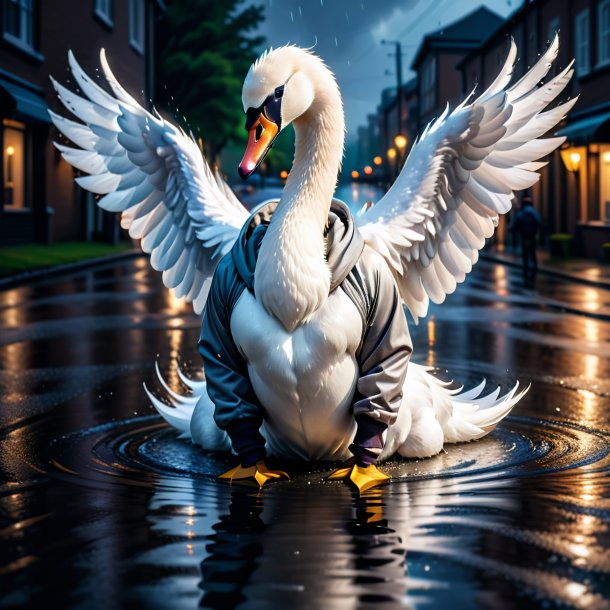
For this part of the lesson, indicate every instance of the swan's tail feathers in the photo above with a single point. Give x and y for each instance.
(179, 412)
(440, 414)
(191, 414)
(474, 415)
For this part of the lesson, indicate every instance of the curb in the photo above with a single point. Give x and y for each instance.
(565, 275)
(25, 277)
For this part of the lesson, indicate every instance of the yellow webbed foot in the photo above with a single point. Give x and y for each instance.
(363, 477)
(258, 474)
(367, 477)
(341, 473)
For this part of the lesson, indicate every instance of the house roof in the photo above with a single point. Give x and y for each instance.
(500, 31)
(466, 33)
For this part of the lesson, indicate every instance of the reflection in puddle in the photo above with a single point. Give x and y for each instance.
(101, 509)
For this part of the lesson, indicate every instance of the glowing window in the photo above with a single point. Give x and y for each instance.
(14, 160)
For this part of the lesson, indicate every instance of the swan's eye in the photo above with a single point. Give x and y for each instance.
(259, 132)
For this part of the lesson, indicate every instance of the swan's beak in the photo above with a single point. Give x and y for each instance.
(260, 138)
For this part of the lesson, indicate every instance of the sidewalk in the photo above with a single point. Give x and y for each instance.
(581, 270)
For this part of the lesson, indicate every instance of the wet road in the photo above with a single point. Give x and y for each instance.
(101, 506)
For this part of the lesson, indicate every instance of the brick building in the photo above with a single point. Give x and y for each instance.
(437, 80)
(572, 197)
(39, 200)
(440, 53)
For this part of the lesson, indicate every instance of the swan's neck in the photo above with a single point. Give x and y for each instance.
(292, 278)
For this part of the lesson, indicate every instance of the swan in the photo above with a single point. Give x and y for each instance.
(304, 340)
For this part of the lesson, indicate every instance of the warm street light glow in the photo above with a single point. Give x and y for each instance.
(283, 174)
(368, 170)
(400, 141)
(606, 157)
(10, 151)
(571, 159)
(391, 153)
(377, 160)
(355, 175)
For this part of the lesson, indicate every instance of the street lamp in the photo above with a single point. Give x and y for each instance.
(391, 154)
(368, 170)
(571, 159)
(377, 160)
(283, 174)
(400, 141)
(355, 175)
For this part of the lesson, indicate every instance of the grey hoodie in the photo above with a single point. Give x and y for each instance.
(382, 356)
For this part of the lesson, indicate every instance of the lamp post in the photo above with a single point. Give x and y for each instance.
(392, 163)
(401, 144)
(398, 56)
(571, 159)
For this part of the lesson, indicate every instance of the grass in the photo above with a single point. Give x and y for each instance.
(14, 259)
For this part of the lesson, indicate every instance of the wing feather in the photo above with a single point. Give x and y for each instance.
(151, 172)
(460, 175)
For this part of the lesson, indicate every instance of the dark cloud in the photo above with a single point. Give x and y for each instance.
(347, 35)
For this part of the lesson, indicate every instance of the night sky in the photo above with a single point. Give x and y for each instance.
(347, 35)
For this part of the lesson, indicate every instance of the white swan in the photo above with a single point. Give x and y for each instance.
(298, 334)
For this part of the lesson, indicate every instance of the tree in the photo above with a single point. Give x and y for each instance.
(205, 50)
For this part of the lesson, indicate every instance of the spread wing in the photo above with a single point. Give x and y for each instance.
(460, 175)
(186, 217)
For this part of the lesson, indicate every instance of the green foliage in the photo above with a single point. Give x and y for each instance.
(205, 50)
(35, 256)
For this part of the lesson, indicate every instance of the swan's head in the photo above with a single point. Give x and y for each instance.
(280, 87)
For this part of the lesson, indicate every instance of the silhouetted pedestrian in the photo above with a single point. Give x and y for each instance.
(527, 224)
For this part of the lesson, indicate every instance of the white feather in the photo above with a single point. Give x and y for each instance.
(155, 175)
(471, 160)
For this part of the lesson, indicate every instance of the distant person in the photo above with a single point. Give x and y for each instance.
(527, 224)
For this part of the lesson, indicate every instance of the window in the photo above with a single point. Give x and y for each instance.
(19, 23)
(137, 10)
(102, 9)
(14, 160)
(581, 42)
(428, 84)
(603, 33)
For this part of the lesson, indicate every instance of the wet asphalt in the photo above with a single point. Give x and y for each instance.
(102, 506)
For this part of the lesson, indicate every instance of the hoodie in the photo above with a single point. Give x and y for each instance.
(382, 356)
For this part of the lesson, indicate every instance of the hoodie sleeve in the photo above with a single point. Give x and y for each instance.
(236, 407)
(383, 358)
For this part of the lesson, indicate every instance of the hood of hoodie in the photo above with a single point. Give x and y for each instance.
(344, 242)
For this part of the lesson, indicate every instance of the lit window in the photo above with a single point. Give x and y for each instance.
(103, 10)
(136, 24)
(603, 32)
(581, 42)
(19, 22)
(428, 84)
(13, 157)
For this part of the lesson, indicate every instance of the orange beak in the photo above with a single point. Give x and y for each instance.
(260, 138)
